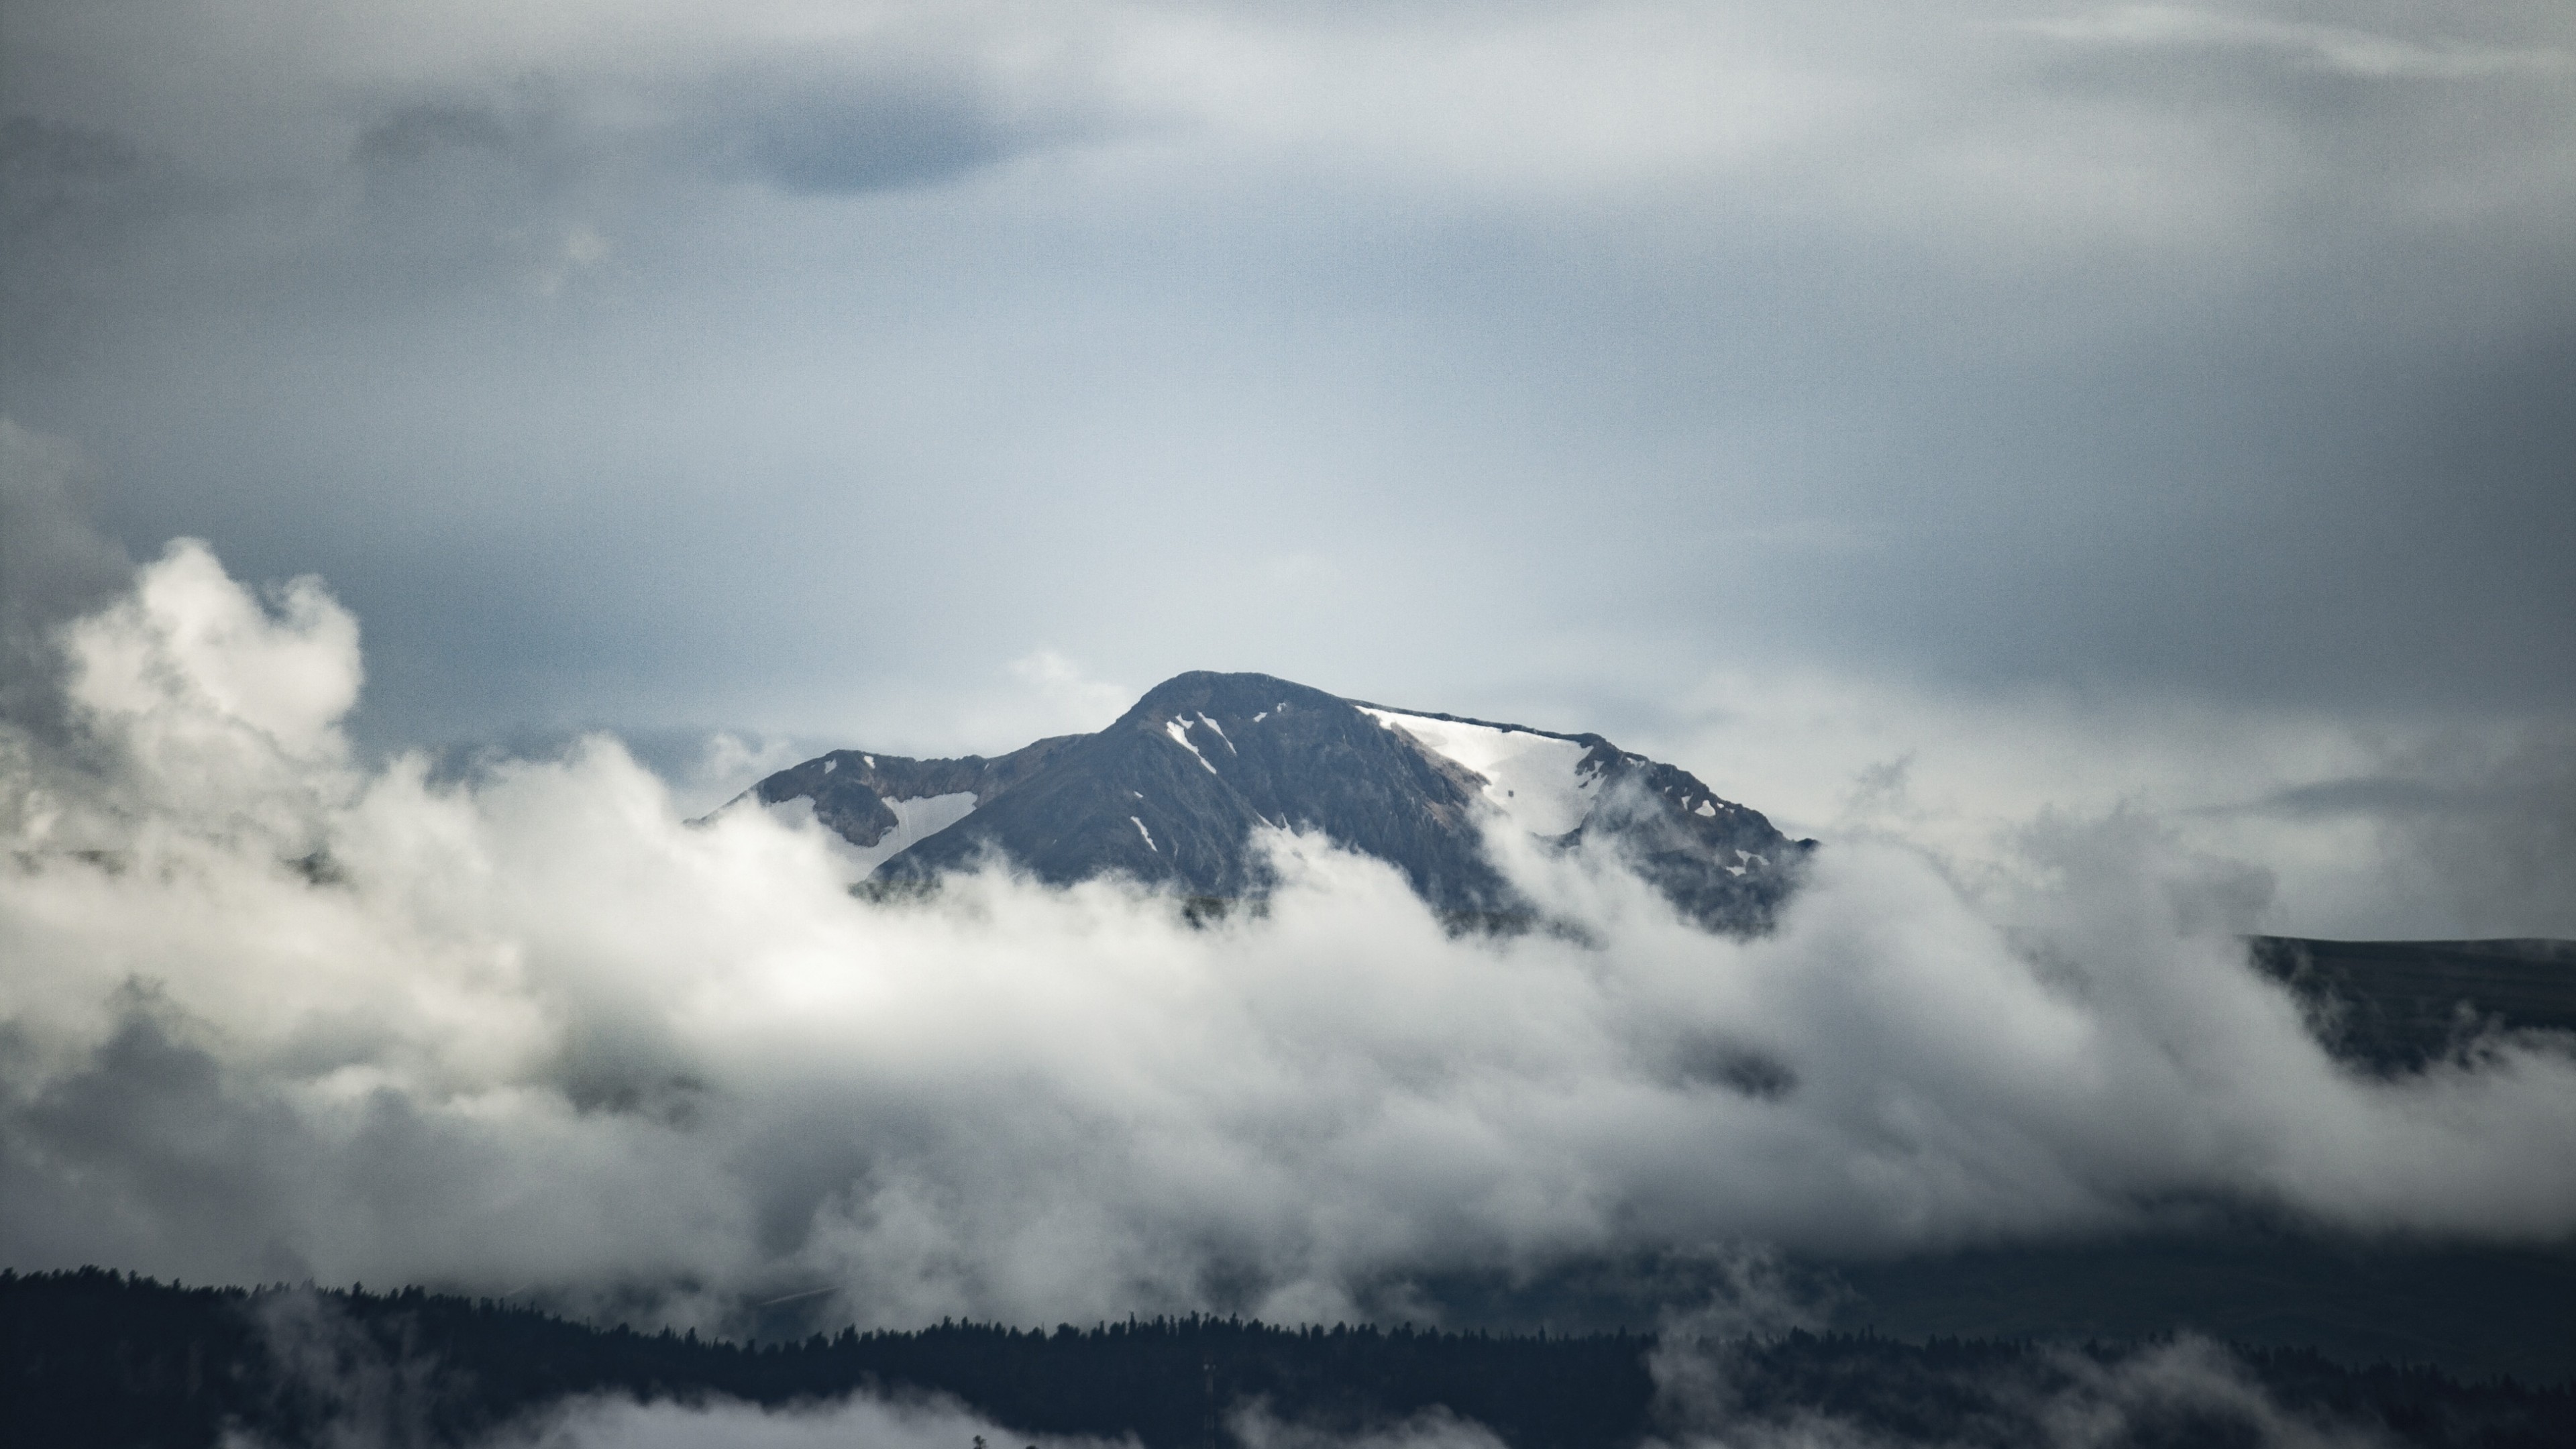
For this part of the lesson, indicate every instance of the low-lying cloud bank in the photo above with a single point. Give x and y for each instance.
(272, 1014)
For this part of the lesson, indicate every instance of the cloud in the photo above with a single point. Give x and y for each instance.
(358, 1394)
(53, 567)
(2076, 1403)
(614, 359)
(2369, 825)
(1437, 1429)
(2346, 50)
(1081, 702)
(51, 172)
(358, 1391)
(860, 1419)
(1710, 1392)
(860, 136)
(817, 125)
(417, 132)
(275, 1014)
(2482, 823)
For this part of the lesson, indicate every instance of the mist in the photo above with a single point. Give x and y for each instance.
(276, 1012)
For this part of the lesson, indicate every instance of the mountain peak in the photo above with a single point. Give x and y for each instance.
(1224, 695)
(1174, 791)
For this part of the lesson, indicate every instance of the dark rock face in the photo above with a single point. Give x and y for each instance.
(850, 788)
(1172, 791)
(1170, 795)
(1717, 860)
(2396, 1007)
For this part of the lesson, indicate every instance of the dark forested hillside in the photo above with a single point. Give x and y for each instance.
(2399, 1006)
(96, 1358)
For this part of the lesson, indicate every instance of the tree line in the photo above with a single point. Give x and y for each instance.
(100, 1358)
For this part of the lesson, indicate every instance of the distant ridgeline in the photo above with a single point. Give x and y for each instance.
(2394, 1007)
(1170, 795)
(96, 1359)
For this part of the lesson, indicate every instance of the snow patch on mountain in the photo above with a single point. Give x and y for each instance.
(920, 819)
(914, 820)
(1179, 730)
(1220, 734)
(1536, 780)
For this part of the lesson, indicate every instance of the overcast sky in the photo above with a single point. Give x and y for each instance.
(2142, 400)
(2109, 473)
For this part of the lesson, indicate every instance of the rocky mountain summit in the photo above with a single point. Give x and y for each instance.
(1171, 793)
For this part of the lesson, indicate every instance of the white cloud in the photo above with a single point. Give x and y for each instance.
(1072, 698)
(2367, 825)
(533, 1029)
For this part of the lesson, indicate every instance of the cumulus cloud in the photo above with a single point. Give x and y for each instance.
(274, 1014)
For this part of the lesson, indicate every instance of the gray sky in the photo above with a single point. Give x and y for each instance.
(931, 377)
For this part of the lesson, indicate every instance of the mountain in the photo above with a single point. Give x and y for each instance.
(1171, 793)
(882, 804)
(2393, 1007)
